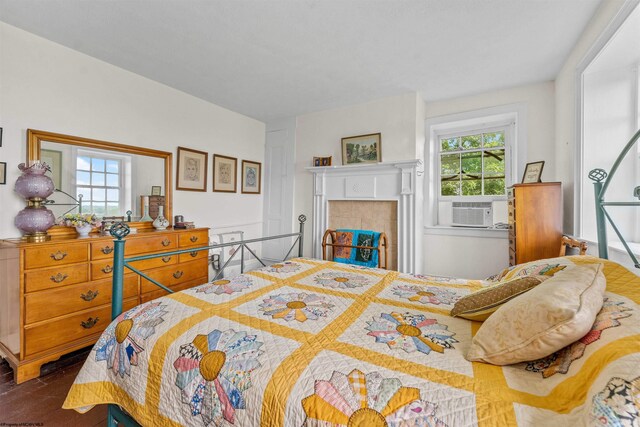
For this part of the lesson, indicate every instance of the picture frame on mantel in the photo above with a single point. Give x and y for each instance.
(362, 149)
(3, 173)
(192, 170)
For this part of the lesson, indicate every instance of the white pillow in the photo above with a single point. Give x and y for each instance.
(554, 314)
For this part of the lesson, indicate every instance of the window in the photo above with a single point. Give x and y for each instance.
(473, 157)
(473, 164)
(98, 180)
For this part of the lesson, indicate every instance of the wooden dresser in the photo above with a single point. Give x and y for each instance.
(535, 221)
(55, 297)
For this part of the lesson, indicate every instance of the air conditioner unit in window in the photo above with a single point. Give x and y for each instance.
(472, 214)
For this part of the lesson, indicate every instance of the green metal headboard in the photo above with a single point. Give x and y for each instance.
(601, 181)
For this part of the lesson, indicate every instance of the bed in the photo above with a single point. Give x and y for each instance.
(316, 343)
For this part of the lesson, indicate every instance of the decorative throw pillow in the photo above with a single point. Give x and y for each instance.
(549, 317)
(546, 267)
(481, 304)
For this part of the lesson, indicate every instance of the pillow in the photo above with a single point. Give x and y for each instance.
(481, 304)
(545, 267)
(547, 318)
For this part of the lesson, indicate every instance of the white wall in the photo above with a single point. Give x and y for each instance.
(319, 134)
(478, 257)
(49, 87)
(567, 108)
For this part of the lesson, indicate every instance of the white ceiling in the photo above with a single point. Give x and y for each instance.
(281, 58)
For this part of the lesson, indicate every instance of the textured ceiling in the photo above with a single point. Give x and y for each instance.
(281, 58)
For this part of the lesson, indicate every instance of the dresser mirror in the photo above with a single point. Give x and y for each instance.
(100, 177)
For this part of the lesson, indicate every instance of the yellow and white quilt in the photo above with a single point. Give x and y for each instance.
(317, 343)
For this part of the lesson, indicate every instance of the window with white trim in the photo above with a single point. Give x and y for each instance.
(473, 163)
(473, 158)
(99, 180)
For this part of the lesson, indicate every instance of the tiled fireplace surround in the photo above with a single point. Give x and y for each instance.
(380, 197)
(368, 215)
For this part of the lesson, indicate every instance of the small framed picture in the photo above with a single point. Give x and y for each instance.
(251, 176)
(362, 149)
(317, 161)
(3, 173)
(0, 137)
(156, 190)
(225, 174)
(532, 172)
(192, 170)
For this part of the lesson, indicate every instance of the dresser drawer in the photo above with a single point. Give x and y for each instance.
(160, 243)
(104, 269)
(74, 298)
(55, 277)
(192, 256)
(182, 286)
(50, 255)
(102, 250)
(175, 275)
(47, 335)
(189, 239)
(155, 262)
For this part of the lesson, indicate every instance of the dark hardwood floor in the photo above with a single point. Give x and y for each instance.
(39, 402)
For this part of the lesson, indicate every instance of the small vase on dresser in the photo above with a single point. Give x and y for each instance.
(84, 230)
(160, 223)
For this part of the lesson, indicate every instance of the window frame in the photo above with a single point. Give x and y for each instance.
(515, 113)
(94, 154)
(506, 127)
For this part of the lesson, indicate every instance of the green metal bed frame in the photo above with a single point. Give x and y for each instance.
(115, 414)
(601, 181)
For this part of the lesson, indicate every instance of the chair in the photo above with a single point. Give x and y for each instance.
(572, 243)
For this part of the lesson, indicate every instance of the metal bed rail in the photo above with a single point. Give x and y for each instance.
(121, 230)
(601, 181)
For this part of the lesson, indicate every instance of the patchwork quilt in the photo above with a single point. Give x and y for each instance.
(316, 343)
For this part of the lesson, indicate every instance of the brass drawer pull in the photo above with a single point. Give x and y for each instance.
(58, 256)
(58, 277)
(108, 269)
(89, 323)
(194, 239)
(193, 254)
(166, 242)
(107, 250)
(166, 258)
(89, 296)
(178, 274)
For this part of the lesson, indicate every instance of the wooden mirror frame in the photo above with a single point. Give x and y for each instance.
(35, 138)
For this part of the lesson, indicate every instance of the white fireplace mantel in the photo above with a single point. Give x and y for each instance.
(371, 182)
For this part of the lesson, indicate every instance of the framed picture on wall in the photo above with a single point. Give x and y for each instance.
(3, 173)
(533, 172)
(54, 159)
(251, 177)
(192, 170)
(362, 149)
(156, 190)
(225, 174)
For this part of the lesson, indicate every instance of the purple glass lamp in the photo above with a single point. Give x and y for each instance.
(34, 186)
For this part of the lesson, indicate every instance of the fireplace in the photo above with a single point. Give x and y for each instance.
(365, 197)
(378, 215)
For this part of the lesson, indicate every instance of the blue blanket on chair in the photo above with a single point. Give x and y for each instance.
(363, 257)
